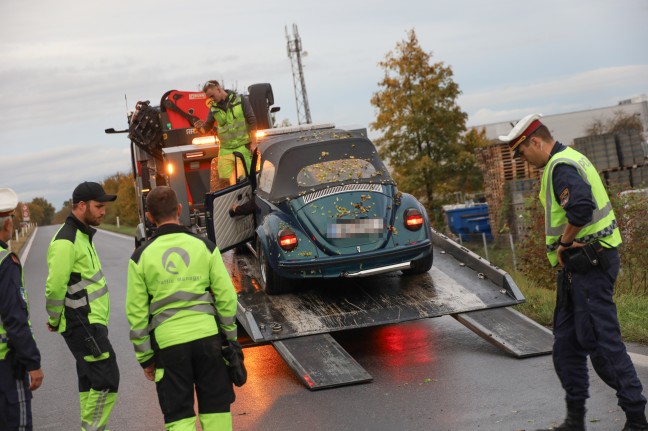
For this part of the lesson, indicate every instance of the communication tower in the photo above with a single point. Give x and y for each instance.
(295, 54)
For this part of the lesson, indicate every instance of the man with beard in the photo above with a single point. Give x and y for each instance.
(78, 304)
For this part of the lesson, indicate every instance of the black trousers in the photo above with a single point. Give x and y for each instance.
(15, 399)
(590, 327)
(99, 375)
(183, 367)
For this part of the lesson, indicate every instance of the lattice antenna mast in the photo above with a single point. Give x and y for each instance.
(295, 54)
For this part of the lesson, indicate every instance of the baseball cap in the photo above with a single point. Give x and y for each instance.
(90, 191)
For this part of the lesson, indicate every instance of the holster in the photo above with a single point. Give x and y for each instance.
(581, 260)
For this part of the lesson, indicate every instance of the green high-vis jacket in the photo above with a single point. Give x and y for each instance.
(179, 291)
(76, 289)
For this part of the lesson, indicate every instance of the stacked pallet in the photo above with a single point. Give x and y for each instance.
(619, 157)
(499, 167)
(639, 177)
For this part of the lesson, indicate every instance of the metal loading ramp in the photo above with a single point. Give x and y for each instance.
(298, 324)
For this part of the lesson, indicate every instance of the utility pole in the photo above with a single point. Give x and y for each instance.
(295, 54)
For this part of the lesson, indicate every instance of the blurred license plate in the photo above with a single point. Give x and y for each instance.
(355, 228)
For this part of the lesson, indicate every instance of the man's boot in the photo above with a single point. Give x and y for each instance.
(635, 422)
(575, 420)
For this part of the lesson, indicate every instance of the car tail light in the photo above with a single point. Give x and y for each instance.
(413, 219)
(287, 239)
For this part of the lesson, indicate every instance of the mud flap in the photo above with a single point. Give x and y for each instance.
(320, 362)
(509, 330)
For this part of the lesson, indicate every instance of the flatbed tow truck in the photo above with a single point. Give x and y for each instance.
(299, 324)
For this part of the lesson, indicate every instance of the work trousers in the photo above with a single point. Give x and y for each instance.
(98, 376)
(15, 398)
(197, 364)
(589, 326)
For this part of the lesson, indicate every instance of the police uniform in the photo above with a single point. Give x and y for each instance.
(585, 318)
(78, 306)
(18, 351)
(181, 305)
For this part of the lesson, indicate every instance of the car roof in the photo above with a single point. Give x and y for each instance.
(290, 153)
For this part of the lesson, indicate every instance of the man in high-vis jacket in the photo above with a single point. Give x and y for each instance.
(582, 237)
(181, 306)
(20, 369)
(233, 119)
(78, 304)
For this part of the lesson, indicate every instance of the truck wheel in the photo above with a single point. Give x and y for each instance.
(261, 98)
(272, 283)
(420, 266)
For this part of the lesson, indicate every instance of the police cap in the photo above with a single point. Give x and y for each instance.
(8, 201)
(521, 131)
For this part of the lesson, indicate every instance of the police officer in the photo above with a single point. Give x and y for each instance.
(234, 118)
(181, 306)
(78, 304)
(580, 222)
(20, 369)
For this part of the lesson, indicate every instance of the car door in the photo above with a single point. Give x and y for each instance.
(224, 230)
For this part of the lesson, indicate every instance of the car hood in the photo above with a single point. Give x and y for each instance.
(347, 222)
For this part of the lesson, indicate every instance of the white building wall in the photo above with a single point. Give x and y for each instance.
(566, 127)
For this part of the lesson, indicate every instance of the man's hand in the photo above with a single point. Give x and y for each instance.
(35, 379)
(149, 372)
(52, 328)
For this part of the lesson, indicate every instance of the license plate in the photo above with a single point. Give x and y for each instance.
(355, 228)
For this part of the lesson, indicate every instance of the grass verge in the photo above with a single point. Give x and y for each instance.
(126, 230)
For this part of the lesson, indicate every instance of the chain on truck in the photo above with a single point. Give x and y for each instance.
(166, 150)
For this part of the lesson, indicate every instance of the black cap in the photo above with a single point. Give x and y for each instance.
(89, 191)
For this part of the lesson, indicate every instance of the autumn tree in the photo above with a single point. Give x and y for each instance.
(620, 122)
(422, 124)
(41, 211)
(125, 206)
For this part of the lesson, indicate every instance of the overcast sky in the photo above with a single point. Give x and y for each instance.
(70, 69)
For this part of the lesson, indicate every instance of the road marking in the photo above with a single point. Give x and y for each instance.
(118, 235)
(24, 253)
(639, 360)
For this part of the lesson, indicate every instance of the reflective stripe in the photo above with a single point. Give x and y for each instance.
(231, 335)
(22, 402)
(53, 314)
(3, 253)
(3, 339)
(226, 320)
(54, 303)
(77, 303)
(180, 296)
(144, 347)
(138, 333)
(591, 237)
(85, 283)
(166, 314)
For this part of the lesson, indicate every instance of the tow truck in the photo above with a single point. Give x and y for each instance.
(166, 150)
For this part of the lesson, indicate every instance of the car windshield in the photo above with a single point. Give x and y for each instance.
(335, 170)
(307, 168)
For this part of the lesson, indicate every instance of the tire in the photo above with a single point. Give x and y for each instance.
(420, 266)
(273, 284)
(261, 98)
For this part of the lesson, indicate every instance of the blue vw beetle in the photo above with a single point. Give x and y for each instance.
(320, 203)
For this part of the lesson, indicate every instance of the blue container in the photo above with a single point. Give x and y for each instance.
(469, 222)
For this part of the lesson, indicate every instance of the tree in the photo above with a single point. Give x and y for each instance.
(621, 121)
(125, 206)
(41, 211)
(421, 122)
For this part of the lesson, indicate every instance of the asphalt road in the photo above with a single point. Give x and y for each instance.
(431, 374)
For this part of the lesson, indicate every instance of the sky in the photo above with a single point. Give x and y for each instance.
(70, 69)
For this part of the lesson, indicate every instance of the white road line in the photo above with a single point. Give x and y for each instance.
(118, 235)
(24, 253)
(639, 360)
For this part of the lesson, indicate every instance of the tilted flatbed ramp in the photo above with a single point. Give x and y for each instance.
(459, 282)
